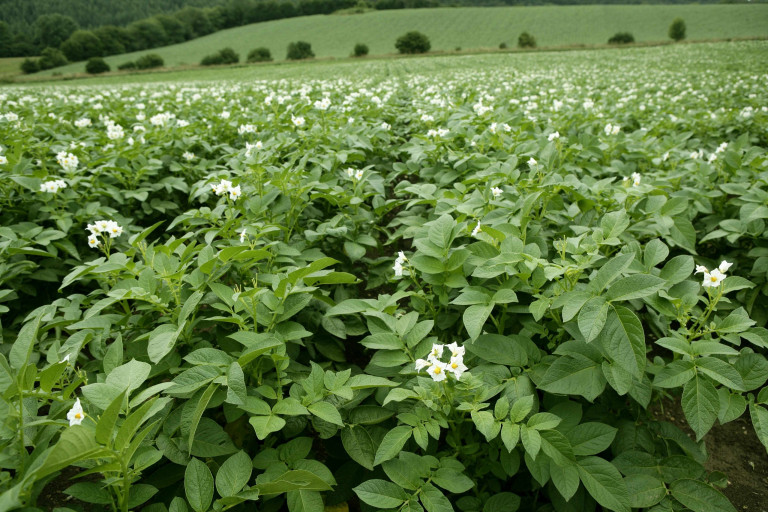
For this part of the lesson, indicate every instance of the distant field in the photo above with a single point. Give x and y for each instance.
(467, 27)
(10, 66)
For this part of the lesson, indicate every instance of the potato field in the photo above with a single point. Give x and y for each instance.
(457, 289)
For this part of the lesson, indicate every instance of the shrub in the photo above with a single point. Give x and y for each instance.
(413, 42)
(224, 56)
(361, 50)
(82, 45)
(96, 65)
(29, 66)
(503, 46)
(127, 65)
(149, 61)
(526, 40)
(299, 50)
(51, 58)
(621, 38)
(260, 55)
(677, 29)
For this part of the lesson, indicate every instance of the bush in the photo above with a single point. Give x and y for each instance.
(299, 50)
(503, 46)
(127, 65)
(621, 38)
(149, 61)
(82, 45)
(677, 29)
(51, 58)
(29, 66)
(260, 55)
(526, 40)
(224, 56)
(96, 65)
(413, 42)
(361, 50)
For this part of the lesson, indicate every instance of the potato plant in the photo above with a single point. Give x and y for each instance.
(440, 291)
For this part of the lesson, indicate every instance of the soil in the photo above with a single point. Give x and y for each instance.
(735, 450)
(52, 495)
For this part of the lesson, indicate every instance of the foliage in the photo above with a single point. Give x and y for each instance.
(261, 54)
(360, 50)
(51, 58)
(526, 40)
(96, 65)
(299, 50)
(82, 45)
(30, 66)
(502, 46)
(127, 65)
(223, 56)
(149, 61)
(413, 42)
(53, 29)
(621, 38)
(398, 290)
(677, 29)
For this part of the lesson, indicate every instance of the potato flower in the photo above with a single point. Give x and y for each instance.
(552, 136)
(76, 415)
(477, 229)
(188, 156)
(67, 161)
(398, 268)
(496, 191)
(714, 277)
(53, 186)
(438, 370)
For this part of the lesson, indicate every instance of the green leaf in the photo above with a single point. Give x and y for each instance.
(452, 481)
(234, 474)
(591, 438)
(296, 480)
(441, 231)
(623, 341)
(305, 501)
(675, 374)
(265, 425)
(604, 483)
(678, 269)
(129, 376)
(392, 443)
(76, 443)
(592, 317)
(161, 341)
(510, 433)
(634, 287)
(502, 502)
(645, 490)
(106, 424)
(474, 319)
(236, 391)
(732, 405)
(520, 408)
(531, 440)
(289, 406)
(427, 264)
(359, 446)
(557, 447)
(381, 494)
(25, 341)
(720, 371)
(486, 424)
(610, 271)
(565, 478)
(544, 421)
(572, 376)
(363, 381)
(498, 349)
(198, 485)
(700, 497)
(327, 412)
(700, 405)
(89, 492)
(759, 417)
(434, 500)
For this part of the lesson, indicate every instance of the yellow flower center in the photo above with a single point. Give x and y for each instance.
(454, 365)
(78, 415)
(437, 370)
(713, 279)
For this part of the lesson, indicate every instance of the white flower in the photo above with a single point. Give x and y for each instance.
(115, 131)
(65, 360)
(224, 115)
(359, 174)
(722, 147)
(235, 193)
(160, 119)
(323, 104)
(350, 172)
(553, 136)
(246, 128)
(53, 186)
(114, 229)
(93, 241)
(76, 415)
(611, 129)
(297, 121)
(437, 350)
(477, 229)
(398, 268)
(532, 162)
(457, 366)
(492, 128)
(635, 179)
(496, 191)
(455, 350)
(67, 161)
(222, 188)
(3, 160)
(250, 147)
(82, 123)
(724, 266)
(700, 268)
(713, 278)
(438, 370)
(242, 236)
(427, 118)
(188, 156)
(401, 257)
(421, 364)
(386, 126)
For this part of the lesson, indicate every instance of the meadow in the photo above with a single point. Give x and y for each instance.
(451, 28)
(440, 283)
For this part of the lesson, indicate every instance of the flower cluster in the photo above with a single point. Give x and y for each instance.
(612, 129)
(552, 136)
(440, 132)
(714, 277)
(53, 186)
(357, 174)
(250, 147)
(115, 131)
(246, 128)
(297, 121)
(105, 228)
(225, 187)
(437, 369)
(188, 156)
(67, 161)
(635, 179)
(398, 268)
(83, 123)
(496, 191)
(323, 104)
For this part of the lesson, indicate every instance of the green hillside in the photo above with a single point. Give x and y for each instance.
(467, 27)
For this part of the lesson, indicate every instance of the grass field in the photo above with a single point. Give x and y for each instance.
(10, 67)
(468, 28)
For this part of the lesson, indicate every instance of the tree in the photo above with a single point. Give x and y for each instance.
(174, 29)
(677, 29)
(148, 33)
(6, 39)
(148, 61)
(51, 58)
(195, 22)
(29, 66)
(526, 40)
(299, 50)
(413, 42)
(260, 55)
(53, 29)
(82, 45)
(96, 65)
(360, 50)
(114, 40)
